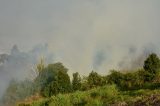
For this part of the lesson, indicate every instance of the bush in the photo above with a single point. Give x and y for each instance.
(60, 100)
(94, 94)
(41, 102)
(79, 98)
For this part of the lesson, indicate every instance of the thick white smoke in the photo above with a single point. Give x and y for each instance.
(85, 35)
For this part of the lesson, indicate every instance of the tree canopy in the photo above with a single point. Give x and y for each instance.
(152, 63)
(53, 79)
(76, 82)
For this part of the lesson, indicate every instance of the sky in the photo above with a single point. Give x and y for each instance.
(84, 35)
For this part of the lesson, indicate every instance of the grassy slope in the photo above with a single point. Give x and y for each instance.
(101, 96)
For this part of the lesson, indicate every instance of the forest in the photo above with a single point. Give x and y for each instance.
(52, 86)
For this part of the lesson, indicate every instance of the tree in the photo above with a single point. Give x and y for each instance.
(76, 82)
(94, 79)
(84, 83)
(115, 77)
(53, 79)
(51, 89)
(152, 64)
(64, 84)
(45, 77)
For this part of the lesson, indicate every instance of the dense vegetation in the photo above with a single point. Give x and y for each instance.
(107, 95)
(53, 87)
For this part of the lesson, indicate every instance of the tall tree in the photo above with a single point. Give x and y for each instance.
(76, 82)
(64, 83)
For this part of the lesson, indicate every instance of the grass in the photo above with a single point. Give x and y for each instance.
(107, 95)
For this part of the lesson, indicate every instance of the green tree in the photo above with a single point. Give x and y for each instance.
(76, 82)
(94, 79)
(84, 83)
(64, 83)
(115, 77)
(152, 64)
(51, 89)
(45, 77)
(53, 79)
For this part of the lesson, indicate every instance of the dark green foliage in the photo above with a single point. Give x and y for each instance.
(140, 79)
(152, 63)
(148, 77)
(128, 81)
(94, 94)
(51, 89)
(84, 84)
(64, 84)
(151, 66)
(115, 77)
(53, 79)
(131, 80)
(76, 82)
(94, 80)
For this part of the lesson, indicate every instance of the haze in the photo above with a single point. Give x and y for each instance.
(84, 35)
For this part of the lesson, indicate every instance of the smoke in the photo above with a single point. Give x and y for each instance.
(135, 59)
(17, 65)
(99, 59)
(84, 35)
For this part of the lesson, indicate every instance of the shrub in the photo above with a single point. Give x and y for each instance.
(60, 100)
(79, 98)
(41, 102)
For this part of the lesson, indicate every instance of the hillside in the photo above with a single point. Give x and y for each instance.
(102, 96)
(53, 87)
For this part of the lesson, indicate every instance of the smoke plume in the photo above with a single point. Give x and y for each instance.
(18, 65)
(84, 35)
